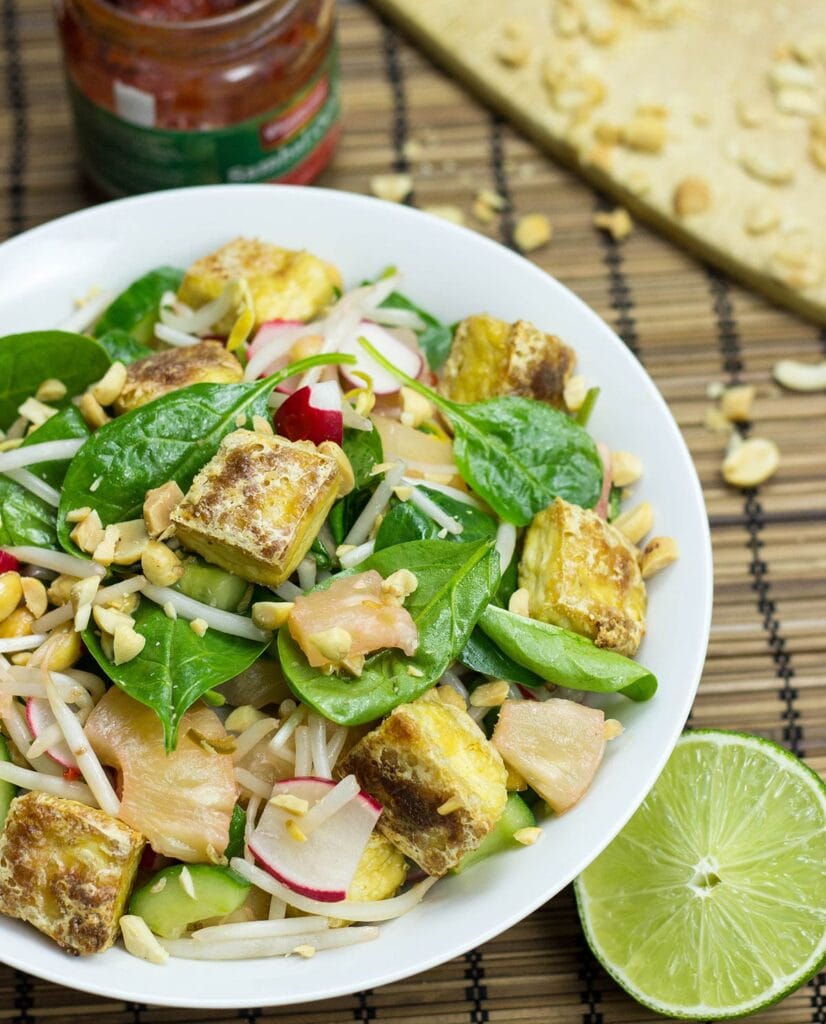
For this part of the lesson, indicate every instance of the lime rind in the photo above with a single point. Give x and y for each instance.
(769, 918)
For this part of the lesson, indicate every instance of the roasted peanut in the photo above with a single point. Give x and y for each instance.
(657, 554)
(11, 593)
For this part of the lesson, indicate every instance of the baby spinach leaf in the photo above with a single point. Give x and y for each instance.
(455, 583)
(26, 360)
(436, 338)
(136, 309)
(123, 347)
(482, 655)
(25, 518)
(406, 522)
(176, 666)
(565, 658)
(516, 453)
(168, 439)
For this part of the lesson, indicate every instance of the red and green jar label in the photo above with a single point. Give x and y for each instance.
(289, 144)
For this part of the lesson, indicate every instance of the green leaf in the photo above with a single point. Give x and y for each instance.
(435, 340)
(136, 309)
(583, 413)
(456, 581)
(614, 502)
(516, 453)
(123, 347)
(25, 518)
(405, 522)
(26, 360)
(176, 666)
(482, 655)
(565, 658)
(171, 438)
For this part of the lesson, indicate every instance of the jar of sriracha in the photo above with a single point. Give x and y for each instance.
(189, 92)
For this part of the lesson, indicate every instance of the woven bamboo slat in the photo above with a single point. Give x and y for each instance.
(766, 668)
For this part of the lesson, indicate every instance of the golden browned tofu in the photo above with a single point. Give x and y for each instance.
(256, 507)
(284, 285)
(156, 375)
(582, 574)
(440, 782)
(67, 869)
(490, 357)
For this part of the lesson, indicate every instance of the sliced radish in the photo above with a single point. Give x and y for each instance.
(39, 716)
(269, 350)
(322, 866)
(396, 352)
(8, 563)
(312, 413)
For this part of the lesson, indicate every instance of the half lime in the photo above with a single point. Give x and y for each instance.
(711, 903)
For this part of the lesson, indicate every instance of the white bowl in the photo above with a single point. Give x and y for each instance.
(453, 272)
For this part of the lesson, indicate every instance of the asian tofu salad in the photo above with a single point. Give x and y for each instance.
(304, 600)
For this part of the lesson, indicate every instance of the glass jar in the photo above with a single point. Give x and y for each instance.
(247, 95)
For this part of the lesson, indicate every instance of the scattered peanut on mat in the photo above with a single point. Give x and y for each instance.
(750, 462)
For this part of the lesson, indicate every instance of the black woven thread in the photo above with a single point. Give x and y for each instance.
(818, 999)
(476, 992)
(15, 92)
(501, 183)
(755, 521)
(136, 1009)
(619, 291)
(363, 1011)
(250, 1016)
(23, 999)
(395, 76)
(590, 995)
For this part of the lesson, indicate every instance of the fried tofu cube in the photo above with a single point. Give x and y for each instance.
(439, 780)
(490, 357)
(284, 285)
(158, 374)
(67, 869)
(583, 575)
(257, 505)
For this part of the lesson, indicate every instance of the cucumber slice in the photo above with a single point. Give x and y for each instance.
(237, 828)
(7, 790)
(516, 815)
(211, 585)
(136, 309)
(168, 908)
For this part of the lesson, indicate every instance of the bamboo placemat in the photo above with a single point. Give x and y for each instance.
(766, 668)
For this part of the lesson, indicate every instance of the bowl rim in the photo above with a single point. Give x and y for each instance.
(703, 570)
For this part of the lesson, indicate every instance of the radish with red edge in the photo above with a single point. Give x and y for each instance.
(39, 716)
(269, 350)
(8, 563)
(394, 351)
(313, 413)
(321, 866)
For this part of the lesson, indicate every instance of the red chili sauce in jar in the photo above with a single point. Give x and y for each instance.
(190, 92)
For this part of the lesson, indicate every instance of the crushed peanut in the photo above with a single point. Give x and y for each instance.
(82, 595)
(449, 806)
(11, 593)
(34, 595)
(490, 695)
(36, 412)
(416, 409)
(131, 540)
(736, 403)
(800, 376)
(170, 611)
(403, 492)
(186, 883)
(158, 505)
(306, 951)
(88, 533)
(110, 385)
(271, 614)
(261, 425)
(242, 717)
(715, 421)
(60, 589)
(62, 649)
(657, 554)
(636, 522)
(394, 188)
(626, 468)
(92, 411)
(294, 832)
(527, 836)
(400, 584)
(77, 515)
(199, 626)
(293, 804)
(519, 602)
(532, 232)
(691, 196)
(574, 392)
(108, 620)
(335, 451)
(139, 940)
(611, 729)
(51, 390)
(415, 672)
(333, 644)
(160, 565)
(751, 462)
(126, 644)
(616, 222)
